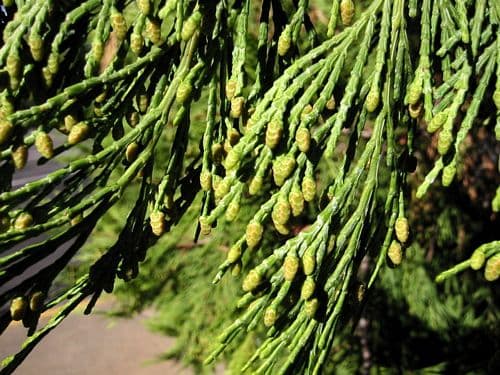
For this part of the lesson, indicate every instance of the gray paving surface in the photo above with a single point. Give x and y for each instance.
(94, 345)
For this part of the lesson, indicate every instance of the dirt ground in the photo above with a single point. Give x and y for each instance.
(93, 345)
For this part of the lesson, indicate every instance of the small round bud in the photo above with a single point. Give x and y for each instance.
(437, 121)
(252, 281)
(492, 268)
(35, 43)
(395, 253)
(232, 159)
(119, 24)
(296, 199)
(290, 267)
(190, 26)
(232, 210)
(132, 152)
(347, 10)
(23, 221)
(255, 185)
(13, 64)
(20, 156)
(6, 130)
(330, 104)
(309, 261)
(415, 91)
(97, 50)
(184, 92)
(44, 145)
(233, 136)
(78, 133)
(308, 288)
(285, 41)
(402, 229)
(236, 269)
(157, 222)
(132, 118)
(449, 173)
(283, 168)
(206, 180)
(69, 122)
(274, 132)
(308, 188)
(445, 140)
(217, 153)
(234, 254)
(153, 31)
(143, 103)
(303, 139)
(144, 6)
(48, 77)
(270, 316)
(18, 307)
(306, 111)
(136, 43)
(205, 226)
(237, 105)
(222, 189)
(281, 212)
(36, 301)
(311, 307)
(53, 63)
(231, 86)
(372, 99)
(253, 234)
(477, 259)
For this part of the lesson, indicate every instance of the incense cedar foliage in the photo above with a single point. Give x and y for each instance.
(332, 166)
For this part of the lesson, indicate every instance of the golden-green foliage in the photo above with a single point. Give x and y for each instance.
(274, 140)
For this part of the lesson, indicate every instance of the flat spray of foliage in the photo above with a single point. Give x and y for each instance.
(312, 116)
